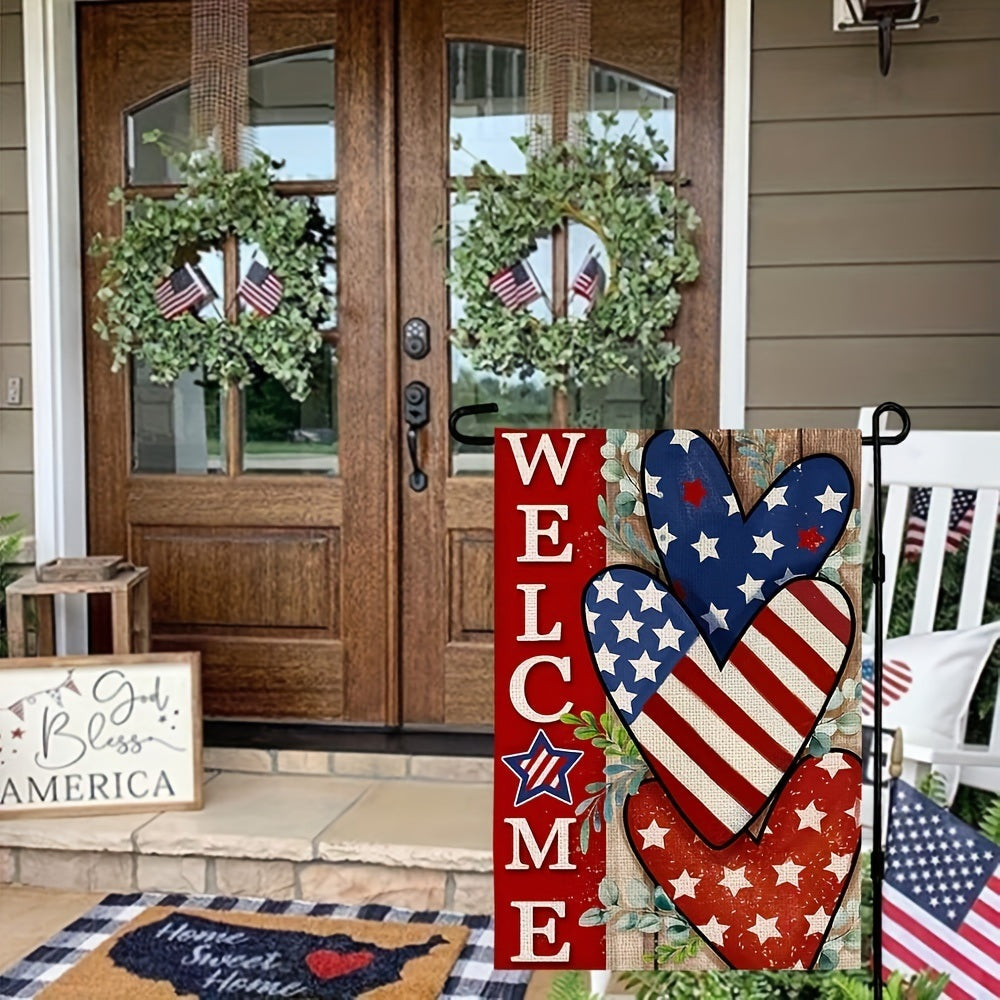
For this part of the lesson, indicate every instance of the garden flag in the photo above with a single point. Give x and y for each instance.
(678, 696)
(185, 289)
(941, 897)
(516, 285)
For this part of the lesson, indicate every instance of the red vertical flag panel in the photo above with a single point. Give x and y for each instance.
(548, 545)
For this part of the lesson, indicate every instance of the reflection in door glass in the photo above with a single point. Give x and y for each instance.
(177, 428)
(291, 114)
(291, 119)
(282, 435)
(486, 85)
(625, 97)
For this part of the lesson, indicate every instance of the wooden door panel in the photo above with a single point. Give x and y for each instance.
(471, 574)
(267, 678)
(447, 530)
(242, 577)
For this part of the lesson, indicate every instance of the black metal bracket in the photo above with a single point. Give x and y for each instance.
(472, 410)
(885, 21)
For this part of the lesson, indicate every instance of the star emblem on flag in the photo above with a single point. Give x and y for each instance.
(543, 769)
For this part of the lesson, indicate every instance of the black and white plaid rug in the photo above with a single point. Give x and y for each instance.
(472, 976)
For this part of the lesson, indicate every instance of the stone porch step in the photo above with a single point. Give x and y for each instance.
(407, 841)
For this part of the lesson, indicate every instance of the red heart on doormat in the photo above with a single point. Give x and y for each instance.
(326, 964)
(763, 902)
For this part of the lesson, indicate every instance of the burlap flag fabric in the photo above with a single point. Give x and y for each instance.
(678, 694)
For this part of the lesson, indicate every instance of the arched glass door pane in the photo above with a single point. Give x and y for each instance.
(488, 110)
(291, 119)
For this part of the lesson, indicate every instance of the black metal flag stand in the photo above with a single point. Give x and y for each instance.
(876, 441)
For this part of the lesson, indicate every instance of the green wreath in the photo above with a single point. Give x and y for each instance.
(162, 235)
(613, 185)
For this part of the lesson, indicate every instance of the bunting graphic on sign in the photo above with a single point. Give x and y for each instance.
(678, 698)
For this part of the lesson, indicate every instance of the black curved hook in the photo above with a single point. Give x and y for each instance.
(468, 411)
(876, 437)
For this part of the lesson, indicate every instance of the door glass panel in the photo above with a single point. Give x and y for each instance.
(291, 113)
(625, 97)
(170, 115)
(291, 119)
(282, 435)
(177, 428)
(486, 88)
(488, 109)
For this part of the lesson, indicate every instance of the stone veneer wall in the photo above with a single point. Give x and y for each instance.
(349, 765)
(313, 881)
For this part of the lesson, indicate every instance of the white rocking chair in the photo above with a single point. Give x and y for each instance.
(944, 461)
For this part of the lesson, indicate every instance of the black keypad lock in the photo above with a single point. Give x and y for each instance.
(416, 338)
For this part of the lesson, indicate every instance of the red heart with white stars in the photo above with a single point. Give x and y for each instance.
(763, 902)
(326, 964)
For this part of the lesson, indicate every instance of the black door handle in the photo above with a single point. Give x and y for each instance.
(417, 413)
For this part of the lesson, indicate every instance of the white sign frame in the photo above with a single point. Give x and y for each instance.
(122, 703)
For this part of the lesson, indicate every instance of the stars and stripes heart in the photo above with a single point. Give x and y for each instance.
(763, 902)
(896, 680)
(719, 741)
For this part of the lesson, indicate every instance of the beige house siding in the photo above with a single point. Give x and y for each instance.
(874, 219)
(15, 356)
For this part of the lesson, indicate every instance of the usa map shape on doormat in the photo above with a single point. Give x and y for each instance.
(678, 776)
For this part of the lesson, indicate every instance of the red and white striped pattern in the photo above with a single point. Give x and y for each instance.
(540, 770)
(914, 940)
(720, 741)
(896, 680)
(960, 517)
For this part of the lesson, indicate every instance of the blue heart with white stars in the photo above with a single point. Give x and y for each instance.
(722, 562)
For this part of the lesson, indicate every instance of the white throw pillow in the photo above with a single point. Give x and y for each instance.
(928, 682)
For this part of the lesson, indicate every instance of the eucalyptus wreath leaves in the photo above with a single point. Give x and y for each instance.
(160, 235)
(612, 185)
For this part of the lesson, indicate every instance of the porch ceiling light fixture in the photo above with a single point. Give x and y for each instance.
(883, 16)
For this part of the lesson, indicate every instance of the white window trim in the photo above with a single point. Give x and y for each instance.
(56, 271)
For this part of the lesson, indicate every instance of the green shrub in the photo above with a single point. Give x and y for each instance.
(10, 545)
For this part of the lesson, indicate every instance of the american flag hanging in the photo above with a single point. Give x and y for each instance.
(184, 289)
(896, 680)
(515, 285)
(261, 289)
(589, 281)
(963, 508)
(941, 897)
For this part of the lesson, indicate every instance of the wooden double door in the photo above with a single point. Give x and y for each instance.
(284, 539)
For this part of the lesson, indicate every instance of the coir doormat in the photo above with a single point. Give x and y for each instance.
(152, 946)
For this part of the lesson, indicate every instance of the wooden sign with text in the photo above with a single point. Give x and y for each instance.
(100, 734)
